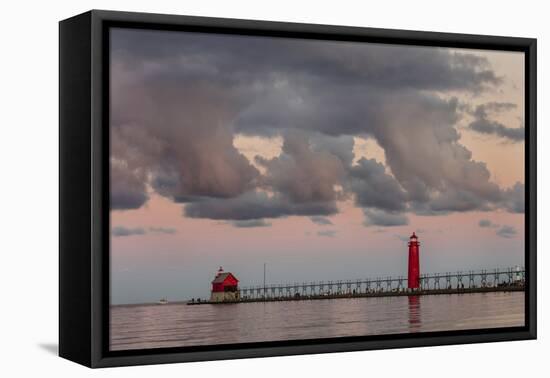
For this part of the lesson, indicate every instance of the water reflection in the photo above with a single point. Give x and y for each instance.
(176, 324)
(415, 322)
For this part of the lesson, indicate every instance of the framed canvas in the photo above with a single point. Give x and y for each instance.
(234, 188)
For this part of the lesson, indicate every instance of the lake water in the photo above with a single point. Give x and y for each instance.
(174, 325)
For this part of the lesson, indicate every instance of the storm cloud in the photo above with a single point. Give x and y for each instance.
(514, 198)
(249, 223)
(486, 223)
(482, 123)
(162, 230)
(486, 126)
(504, 231)
(302, 174)
(255, 205)
(373, 187)
(119, 231)
(374, 217)
(321, 221)
(179, 99)
(128, 190)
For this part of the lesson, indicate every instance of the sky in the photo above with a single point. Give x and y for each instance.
(318, 158)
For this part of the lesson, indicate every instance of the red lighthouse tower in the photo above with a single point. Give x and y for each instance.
(414, 262)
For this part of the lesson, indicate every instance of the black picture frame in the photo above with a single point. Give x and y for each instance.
(84, 188)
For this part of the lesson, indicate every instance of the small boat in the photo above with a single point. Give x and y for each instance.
(163, 301)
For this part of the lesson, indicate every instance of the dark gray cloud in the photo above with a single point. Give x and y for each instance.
(376, 217)
(119, 231)
(373, 187)
(514, 198)
(128, 189)
(236, 58)
(321, 221)
(302, 174)
(249, 223)
(453, 200)
(483, 124)
(186, 138)
(127, 231)
(441, 170)
(255, 205)
(340, 146)
(178, 99)
(327, 233)
(162, 230)
(485, 110)
(506, 232)
(486, 223)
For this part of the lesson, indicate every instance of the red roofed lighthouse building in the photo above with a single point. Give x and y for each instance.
(224, 287)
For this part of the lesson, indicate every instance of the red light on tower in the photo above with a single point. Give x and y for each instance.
(414, 262)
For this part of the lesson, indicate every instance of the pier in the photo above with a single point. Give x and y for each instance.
(480, 281)
(225, 288)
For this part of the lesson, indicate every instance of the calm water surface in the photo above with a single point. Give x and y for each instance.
(173, 325)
